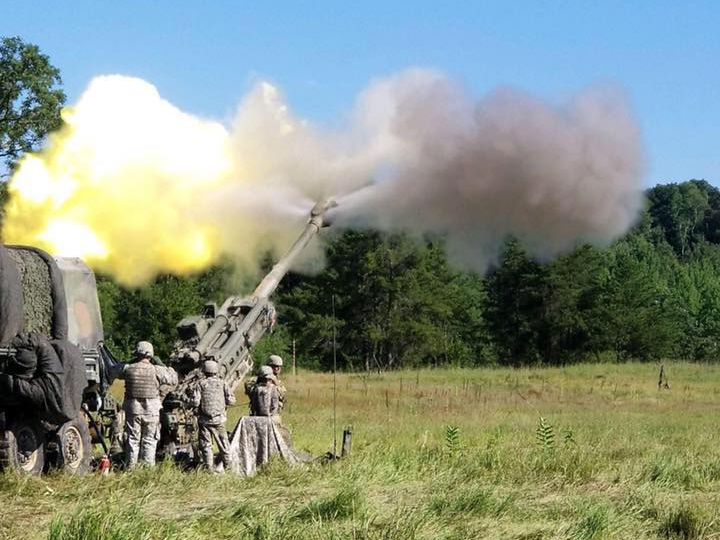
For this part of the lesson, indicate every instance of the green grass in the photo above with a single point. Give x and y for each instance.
(584, 452)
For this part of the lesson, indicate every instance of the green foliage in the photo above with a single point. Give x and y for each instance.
(594, 524)
(452, 440)
(474, 501)
(397, 305)
(545, 435)
(276, 342)
(684, 523)
(569, 437)
(599, 488)
(30, 98)
(152, 312)
(346, 502)
(121, 522)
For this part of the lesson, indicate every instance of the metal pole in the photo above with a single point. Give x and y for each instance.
(294, 368)
(334, 380)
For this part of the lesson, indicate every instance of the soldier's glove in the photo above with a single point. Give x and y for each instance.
(155, 360)
(6, 383)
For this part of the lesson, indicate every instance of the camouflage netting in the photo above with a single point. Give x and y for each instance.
(42, 291)
(49, 371)
(37, 296)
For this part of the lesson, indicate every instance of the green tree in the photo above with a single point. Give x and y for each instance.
(516, 307)
(396, 304)
(575, 287)
(679, 211)
(637, 307)
(30, 99)
(152, 312)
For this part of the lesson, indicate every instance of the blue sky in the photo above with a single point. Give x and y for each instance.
(203, 55)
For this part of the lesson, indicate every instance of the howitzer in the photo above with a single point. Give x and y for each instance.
(227, 335)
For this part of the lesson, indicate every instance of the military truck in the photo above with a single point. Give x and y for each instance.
(51, 348)
(54, 368)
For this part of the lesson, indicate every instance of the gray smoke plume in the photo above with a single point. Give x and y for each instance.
(478, 171)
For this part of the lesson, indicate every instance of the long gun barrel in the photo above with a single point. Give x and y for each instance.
(316, 222)
(248, 332)
(262, 292)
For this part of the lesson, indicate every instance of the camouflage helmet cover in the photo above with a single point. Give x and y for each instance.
(275, 360)
(144, 348)
(210, 367)
(266, 372)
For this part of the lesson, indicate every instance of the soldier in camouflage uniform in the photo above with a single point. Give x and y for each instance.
(264, 395)
(276, 363)
(142, 403)
(212, 396)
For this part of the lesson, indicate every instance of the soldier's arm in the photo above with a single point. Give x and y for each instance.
(195, 395)
(166, 375)
(229, 395)
(274, 401)
(117, 371)
(249, 386)
(29, 390)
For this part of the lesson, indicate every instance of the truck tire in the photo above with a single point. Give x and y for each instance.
(22, 447)
(74, 447)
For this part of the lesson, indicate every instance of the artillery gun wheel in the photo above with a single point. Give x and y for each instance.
(22, 447)
(74, 447)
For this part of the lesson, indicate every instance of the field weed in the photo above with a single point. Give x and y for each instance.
(348, 501)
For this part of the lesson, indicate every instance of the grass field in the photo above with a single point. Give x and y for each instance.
(446, 454)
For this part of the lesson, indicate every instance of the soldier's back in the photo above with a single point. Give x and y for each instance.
(212, 400)
(264, 400)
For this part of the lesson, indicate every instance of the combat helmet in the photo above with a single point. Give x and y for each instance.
(266, 372)
(144, 349)
(210, 367)
(274, 360)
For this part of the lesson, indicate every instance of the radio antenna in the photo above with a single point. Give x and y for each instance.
(334, 345)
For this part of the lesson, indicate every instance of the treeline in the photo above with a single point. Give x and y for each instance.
(398, 302)
(653, 294)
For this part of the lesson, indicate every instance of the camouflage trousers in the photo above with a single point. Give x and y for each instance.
(142, 434)
(207, 434)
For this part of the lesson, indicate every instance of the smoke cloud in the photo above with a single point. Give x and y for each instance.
(138, 187)
(507, 164)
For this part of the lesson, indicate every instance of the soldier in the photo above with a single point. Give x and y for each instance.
(264, 395)
(276, 362)
(142, 403)
(212, 396)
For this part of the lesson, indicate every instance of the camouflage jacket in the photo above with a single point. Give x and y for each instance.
(281, 390)
(212, 396)
(142, 387)
(264, 400)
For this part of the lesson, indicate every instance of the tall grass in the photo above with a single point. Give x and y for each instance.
(584, 452)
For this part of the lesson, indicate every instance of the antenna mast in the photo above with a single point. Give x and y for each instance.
(334, 378)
